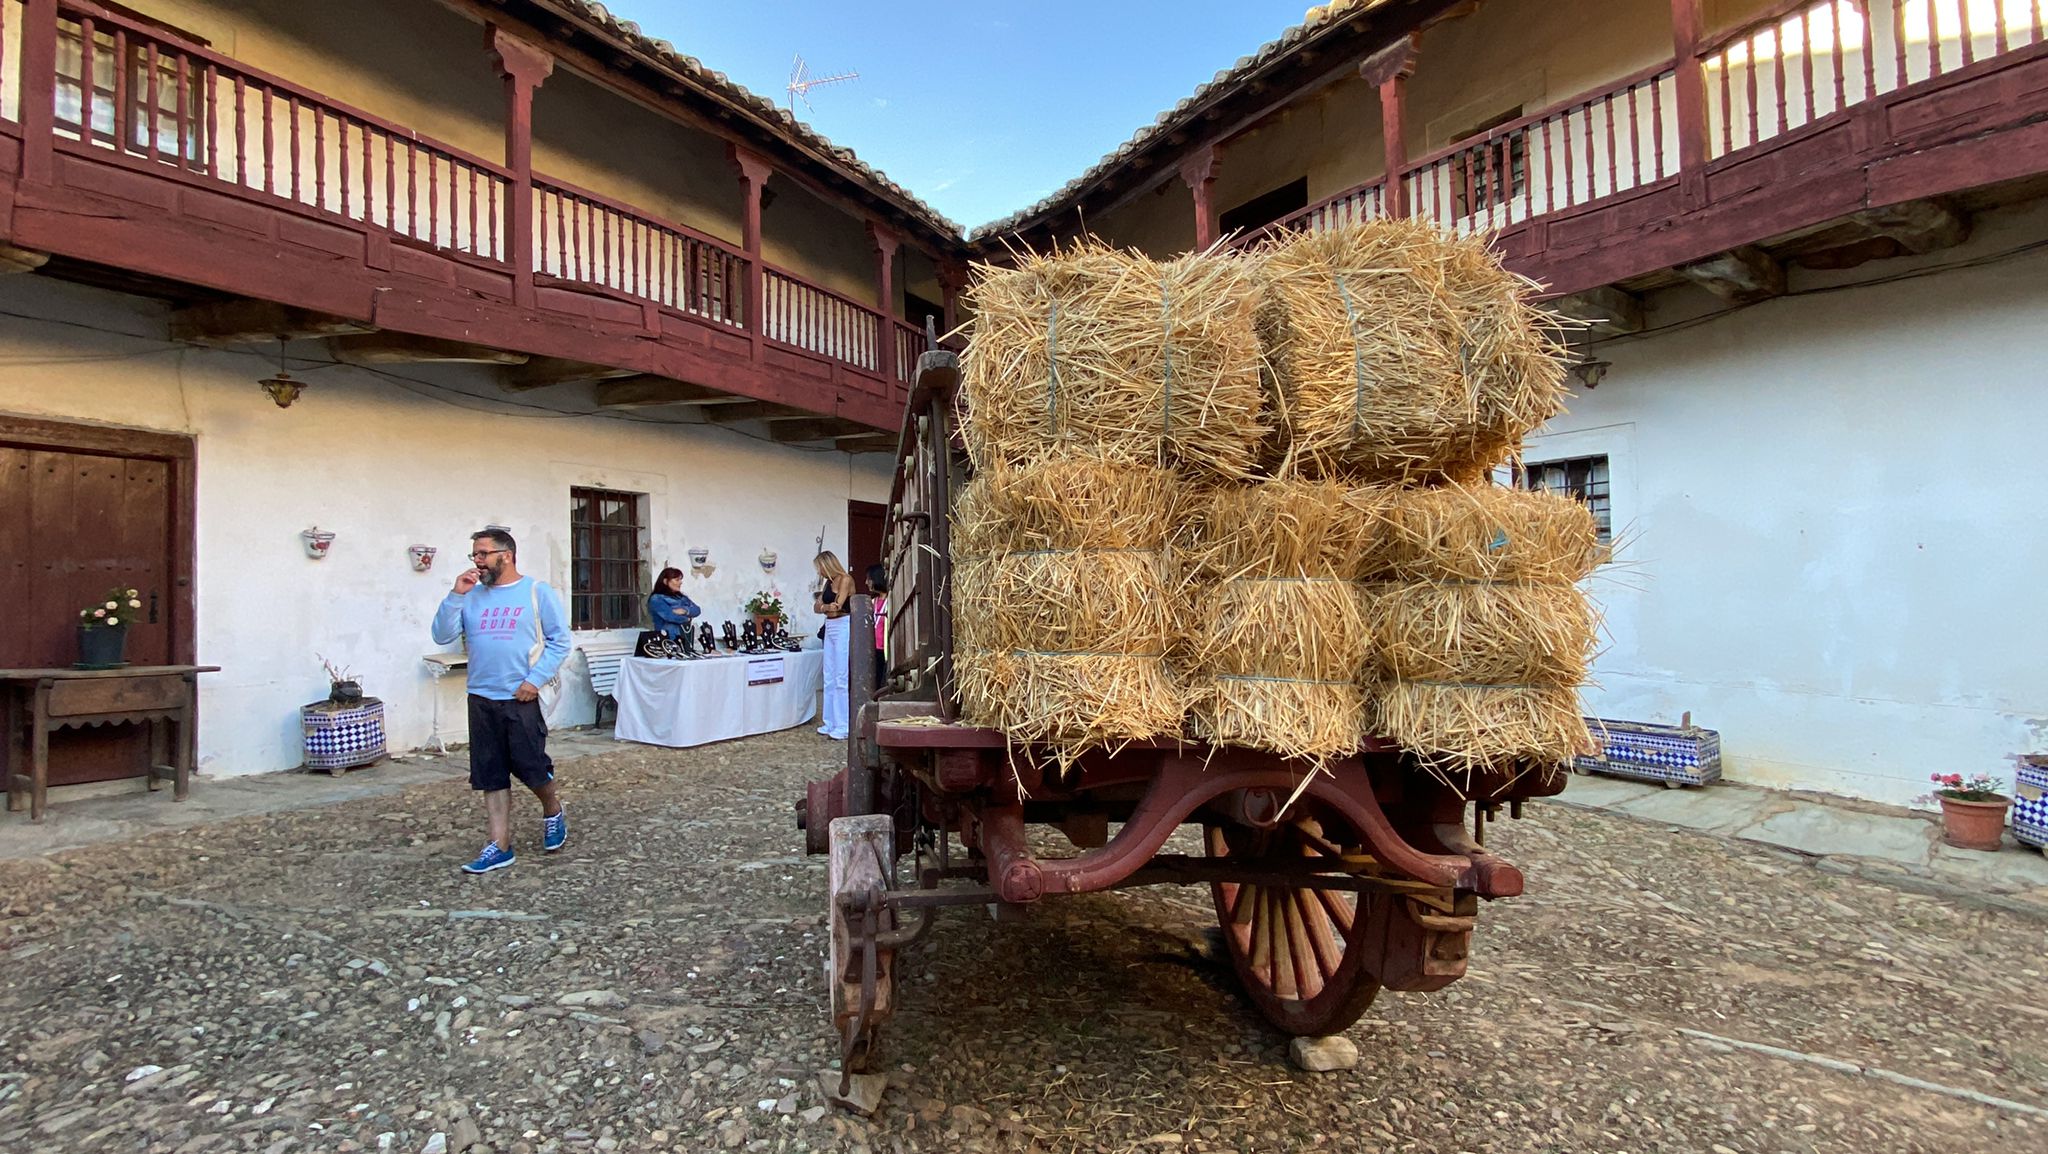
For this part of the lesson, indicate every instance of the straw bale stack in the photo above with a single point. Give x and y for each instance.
(1403, 353)
(1063, 598)
(1109, 354)
(1277, 638)
(1481, 635)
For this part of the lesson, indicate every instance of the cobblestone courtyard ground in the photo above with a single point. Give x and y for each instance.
(324, 980)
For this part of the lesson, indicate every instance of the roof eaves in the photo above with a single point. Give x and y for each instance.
(665, 55)
(1320, 21)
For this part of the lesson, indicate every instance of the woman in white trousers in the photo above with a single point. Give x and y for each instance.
(833, 599)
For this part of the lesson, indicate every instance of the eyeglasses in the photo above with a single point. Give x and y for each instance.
(483, 553)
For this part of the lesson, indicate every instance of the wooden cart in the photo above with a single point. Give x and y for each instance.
(1328, 886)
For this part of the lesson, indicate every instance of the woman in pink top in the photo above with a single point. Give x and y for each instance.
(878, 588)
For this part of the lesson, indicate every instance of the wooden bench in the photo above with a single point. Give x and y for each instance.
(602, 659)
(39, 702)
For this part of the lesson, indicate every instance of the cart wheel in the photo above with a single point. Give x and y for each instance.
(860, 976)
(1300, 953)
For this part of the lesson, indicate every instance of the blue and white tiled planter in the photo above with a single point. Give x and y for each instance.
(1672, 754)
(2030, 805)
(339, 737)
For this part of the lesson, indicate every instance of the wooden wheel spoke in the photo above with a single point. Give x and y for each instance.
(1308, 973)
(1254, 910)
(1274, 917)
(1341, 912)
(1329, 951)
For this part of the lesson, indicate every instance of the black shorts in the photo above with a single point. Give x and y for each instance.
(507, 739)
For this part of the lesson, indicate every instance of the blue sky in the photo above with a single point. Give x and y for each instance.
(979, 106)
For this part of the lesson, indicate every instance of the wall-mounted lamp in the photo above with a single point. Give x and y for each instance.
(1590, 373)
(282, 388)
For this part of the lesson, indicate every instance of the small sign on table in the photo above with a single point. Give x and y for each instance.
(764, 671)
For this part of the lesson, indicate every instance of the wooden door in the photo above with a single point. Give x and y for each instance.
(863, 539)
(84, 510)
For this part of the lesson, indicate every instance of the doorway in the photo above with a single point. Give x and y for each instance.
(85, 509)
(864, 521)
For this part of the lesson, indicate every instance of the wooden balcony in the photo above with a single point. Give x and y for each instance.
(135, 150)
(1815, 112)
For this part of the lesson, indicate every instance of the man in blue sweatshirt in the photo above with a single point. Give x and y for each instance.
(517, 636)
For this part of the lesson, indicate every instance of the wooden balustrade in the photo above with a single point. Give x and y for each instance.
(583, 237)
(1364, 202)
(909, 346)
(1802, 61)
(817, 320)
(1617, 139)
(145, 96)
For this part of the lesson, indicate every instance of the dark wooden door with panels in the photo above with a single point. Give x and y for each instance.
(85, 509)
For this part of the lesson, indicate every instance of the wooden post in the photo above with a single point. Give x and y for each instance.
(39, 90)
(1691, 84)
(1388, 71)
(754, 172)
(524, 66)
(1199, 173)
(952, 281)
(886, 243)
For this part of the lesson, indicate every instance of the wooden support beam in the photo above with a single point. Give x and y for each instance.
(1198, 172)
(824, 429)
(757, 411)
(876, 443)
(1919, 226)
(544, 372)
(224, 324)
(1740, 276)
(645, 392)
(17, 260)
(406, 349)
(1606, 312)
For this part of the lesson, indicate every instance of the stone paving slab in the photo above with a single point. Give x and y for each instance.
(1708, 809)
(1825, 831)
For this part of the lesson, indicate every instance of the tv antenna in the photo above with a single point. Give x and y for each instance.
(801, 82)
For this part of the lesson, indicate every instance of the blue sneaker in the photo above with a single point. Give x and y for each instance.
(492, 858)
(554, 831)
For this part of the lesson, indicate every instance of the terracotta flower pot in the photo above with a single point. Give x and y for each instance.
(1973, 824)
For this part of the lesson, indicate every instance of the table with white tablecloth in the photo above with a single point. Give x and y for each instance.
(681, 703)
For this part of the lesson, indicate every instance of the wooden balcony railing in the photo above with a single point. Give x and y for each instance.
(909, 346)
(583, 237)
(1614, 140)
(1799, 62)
(148, 98)
(1803, 61)
(1364, 202)
(817, 320)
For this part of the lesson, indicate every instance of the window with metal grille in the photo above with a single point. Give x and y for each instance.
(607, 578)
(1581, 478)
(122, 88)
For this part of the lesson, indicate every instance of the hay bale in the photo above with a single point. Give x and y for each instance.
(1483, 634)
(1288, 528)
(1107, 353)
(1073, 503)
(1276, 662)
(1457, 729)
(1400, 352)
(1063, 598)
(1071, 703)
(1484, 532)
(1277, 639)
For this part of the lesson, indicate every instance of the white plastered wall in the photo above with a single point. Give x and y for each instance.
(386, 464)
(1829, 508)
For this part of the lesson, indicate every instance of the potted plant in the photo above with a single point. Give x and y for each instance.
(1972, 810)
(766, 609)
(103, 629)
(342, 686)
